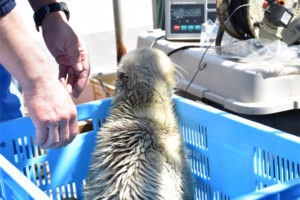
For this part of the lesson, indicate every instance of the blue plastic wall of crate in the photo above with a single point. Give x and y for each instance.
(230, 156)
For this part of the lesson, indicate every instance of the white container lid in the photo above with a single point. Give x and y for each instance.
(243, 88)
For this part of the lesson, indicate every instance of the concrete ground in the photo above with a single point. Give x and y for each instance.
(93, 21)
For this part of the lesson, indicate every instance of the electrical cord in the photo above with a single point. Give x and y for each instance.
(155, 40)
(219, 37)
(237, 15)
(243, 34)
(200, 68)
(239, 18)
(200, 65)
(182, 48)
(233, 19)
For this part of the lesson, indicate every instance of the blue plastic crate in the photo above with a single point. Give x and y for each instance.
(230, 156)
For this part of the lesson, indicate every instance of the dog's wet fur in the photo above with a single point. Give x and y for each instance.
(140, 153)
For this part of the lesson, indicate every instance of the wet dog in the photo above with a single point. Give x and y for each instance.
(140, 153)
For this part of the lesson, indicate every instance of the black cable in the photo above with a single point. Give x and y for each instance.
(231, 13)
(182, 48)
(238, 25)
(239, 17)
(200, 68)
(237, 12)
(242, 17)
(155, 40)
(220, 35)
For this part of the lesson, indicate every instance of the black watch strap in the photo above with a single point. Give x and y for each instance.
(43, 12)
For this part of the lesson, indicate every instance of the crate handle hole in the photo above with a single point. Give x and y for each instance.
(85, 126)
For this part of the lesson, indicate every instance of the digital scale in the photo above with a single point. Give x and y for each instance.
(184, 18)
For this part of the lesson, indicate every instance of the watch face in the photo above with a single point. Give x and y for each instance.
(64, 8)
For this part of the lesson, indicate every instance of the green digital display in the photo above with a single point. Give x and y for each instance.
(186, 12)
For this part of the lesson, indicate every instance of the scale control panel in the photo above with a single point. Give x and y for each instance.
(184, 18)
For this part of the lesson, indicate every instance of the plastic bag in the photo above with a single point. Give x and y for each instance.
(269, 58)
(209, 30)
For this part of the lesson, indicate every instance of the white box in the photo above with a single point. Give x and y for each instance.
(228, 83)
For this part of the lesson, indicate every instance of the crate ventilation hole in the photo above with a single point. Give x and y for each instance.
(272, 169)
(195, 136)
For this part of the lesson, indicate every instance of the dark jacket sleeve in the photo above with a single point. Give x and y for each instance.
(6, 6)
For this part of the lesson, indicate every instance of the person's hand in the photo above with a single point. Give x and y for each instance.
(52, 112)
(68, 51)
(49, 104)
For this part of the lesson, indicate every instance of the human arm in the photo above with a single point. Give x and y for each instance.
(50, 106)
(66, 47)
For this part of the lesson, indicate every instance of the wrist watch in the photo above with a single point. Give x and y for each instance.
(43, 12)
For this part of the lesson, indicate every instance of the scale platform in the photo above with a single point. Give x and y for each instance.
(238, 87)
